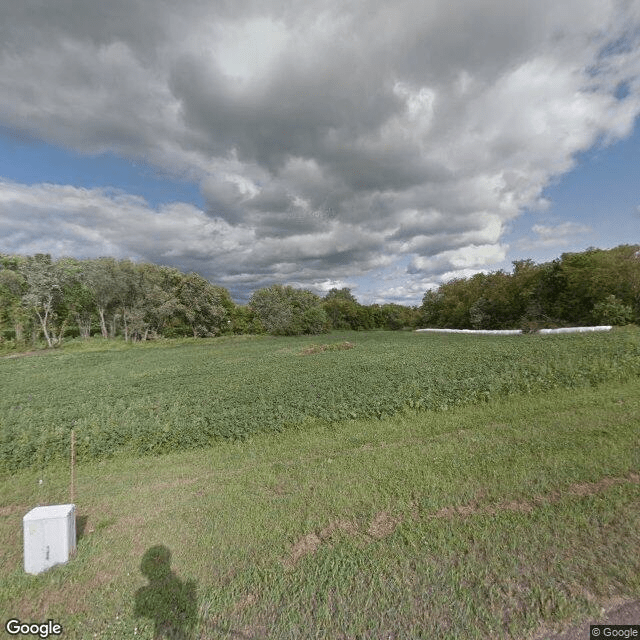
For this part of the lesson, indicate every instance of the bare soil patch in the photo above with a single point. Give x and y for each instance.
(384, 524)
(319, 348)
(311, 542)
(38, 352)
(13, 510)
(306, 545)
(581, 489)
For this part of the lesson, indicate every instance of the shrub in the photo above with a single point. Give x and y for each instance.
(612, 311)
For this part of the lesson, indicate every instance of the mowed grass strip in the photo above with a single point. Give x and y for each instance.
(186, 394)
(481, 522)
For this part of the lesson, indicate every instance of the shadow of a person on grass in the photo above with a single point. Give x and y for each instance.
(169, 602)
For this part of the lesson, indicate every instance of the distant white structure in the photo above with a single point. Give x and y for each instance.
(495, 332)
(513, 332)
(603, 327)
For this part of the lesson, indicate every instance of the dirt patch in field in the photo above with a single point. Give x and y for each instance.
(29, 353)
(384, 524)
(244, 602)
(319, 348)
(339, 525)
(13, 510)
(306, 545)
(311, 542)
(580, 489)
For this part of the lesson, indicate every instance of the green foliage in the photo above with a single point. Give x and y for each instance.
(480, 314)
(187, 394)
(344, 312)
(40, 297)
(205, 308)
(341, 309)
(570, 291)
(285, 311)
(315, 321)
(245, 321)
(13, 316)
(396, 316)
(612, 311)
(343, 294)
(137, 301)
(44, 295)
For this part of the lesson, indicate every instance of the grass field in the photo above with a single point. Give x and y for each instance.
(513, 512)
(187, 394)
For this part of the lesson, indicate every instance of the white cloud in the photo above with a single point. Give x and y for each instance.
(327, 139)
(559, 235)
(94, 222)
(560, 231)
(459, 259)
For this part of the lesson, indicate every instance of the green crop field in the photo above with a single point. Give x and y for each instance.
(189, 394)
(374, 485)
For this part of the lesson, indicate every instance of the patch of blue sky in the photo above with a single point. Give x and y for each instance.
(602, 193)
(30, 162)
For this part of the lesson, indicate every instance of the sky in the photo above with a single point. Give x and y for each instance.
(384, 147)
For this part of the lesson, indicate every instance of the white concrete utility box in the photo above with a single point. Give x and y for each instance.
(49, 536)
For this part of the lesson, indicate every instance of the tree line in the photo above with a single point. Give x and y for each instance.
(593, 287)
(50, 300)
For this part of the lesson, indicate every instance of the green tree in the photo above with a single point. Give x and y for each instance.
(81, 305)
(12, 313)
(341, 308)
(245, 321)
(314, 321)
(204, 307)
(78, 299)
(397, 316)
(156, 304)
(101, 276)
(365, 319)
(480, 314)
(612, 311)
(130, 291)
(341, 294)
(44, 295)
(287, 311)
(431, 309)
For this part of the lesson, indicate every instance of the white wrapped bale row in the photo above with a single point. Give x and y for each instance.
(576, 329)
(495, 332)
(512, 332)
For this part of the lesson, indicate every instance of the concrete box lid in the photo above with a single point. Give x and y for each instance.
(50, 512)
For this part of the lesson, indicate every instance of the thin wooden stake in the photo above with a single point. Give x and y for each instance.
(73, 466)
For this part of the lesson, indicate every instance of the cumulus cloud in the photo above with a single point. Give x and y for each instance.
(95, 222)
(328, 140)
(465, 257)
(558, 235)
